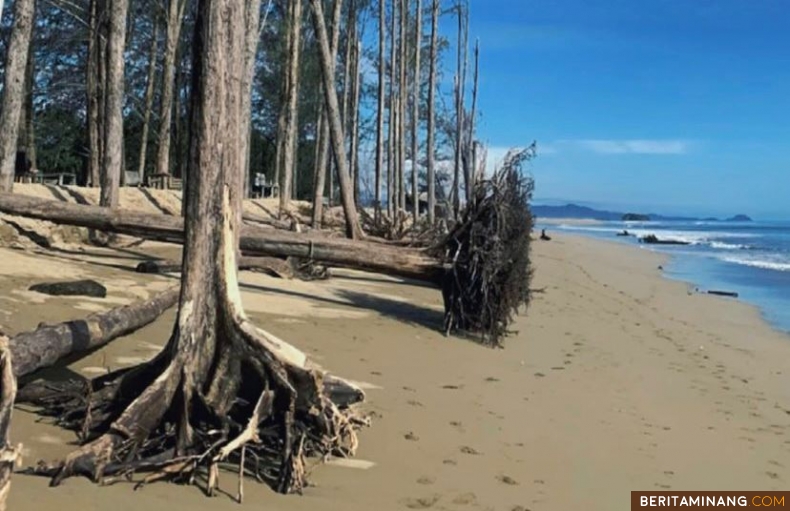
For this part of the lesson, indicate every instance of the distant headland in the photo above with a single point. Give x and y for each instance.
(585, 212)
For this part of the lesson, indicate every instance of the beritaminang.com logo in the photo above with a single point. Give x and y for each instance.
(720, 500)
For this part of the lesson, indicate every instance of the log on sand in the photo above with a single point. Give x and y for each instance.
(274, 266)
(47, 344)
(482, 265)
(254, 240)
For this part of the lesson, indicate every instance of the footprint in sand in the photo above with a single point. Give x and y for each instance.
(452, 387)
(772, 475)
(470, 450)
(411, 436)
(450, 462)
(465, 499)
(426, 480)
(422, 502)
(492, 379)
(414, 403)
(505, 479)
(540, 375)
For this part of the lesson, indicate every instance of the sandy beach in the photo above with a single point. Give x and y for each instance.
(617, 380)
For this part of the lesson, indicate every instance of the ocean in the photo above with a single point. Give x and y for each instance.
(749, 258)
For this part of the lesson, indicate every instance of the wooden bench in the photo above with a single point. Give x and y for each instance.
(165, 182)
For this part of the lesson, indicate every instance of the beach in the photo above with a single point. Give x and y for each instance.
(616, 380)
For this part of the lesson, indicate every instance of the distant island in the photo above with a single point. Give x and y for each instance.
(587, 213)
(635, 217)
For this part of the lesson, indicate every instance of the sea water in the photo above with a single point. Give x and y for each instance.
(749, 258)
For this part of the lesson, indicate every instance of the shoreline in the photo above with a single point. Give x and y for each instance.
(617, 379)
(676, 268)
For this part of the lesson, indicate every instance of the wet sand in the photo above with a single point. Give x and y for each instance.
(617, 380)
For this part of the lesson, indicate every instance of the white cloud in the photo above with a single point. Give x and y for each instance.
(635, 146)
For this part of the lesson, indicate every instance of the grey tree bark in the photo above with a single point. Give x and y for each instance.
(253, 29)
(392, 132)
(94, 90)
(382, 70)
(289, 159)
(353, 229)
(175, 20)
(322, 162)
(415, 115)
(431, 142)
(354, 146)
(149, 102)
(14, 88)
(459, 119)
(113, 164)
(403, 89)
(471, 148)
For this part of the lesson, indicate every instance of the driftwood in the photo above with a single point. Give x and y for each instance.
(10, 455)
(730, 294)
(49, 343)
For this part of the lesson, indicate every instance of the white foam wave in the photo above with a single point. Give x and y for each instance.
(766, 264)
(728, 246)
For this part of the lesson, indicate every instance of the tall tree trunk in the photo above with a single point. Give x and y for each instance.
(175, 19)
(382, 70)
(353, 229)
(354, 146)
(431, 149)
(209, 392)
(14, 88)
(113, 164)
(392, 166)
(471, 137)
(322, 163)
(251, 38)
(464, 10)
(415, 115)
(27, 138)
(347, 64)
(403, 89)
(459, 120)
(149, 101)
(92, 89)
(289, 159)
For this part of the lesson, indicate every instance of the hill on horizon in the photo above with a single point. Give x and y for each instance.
(588, 213)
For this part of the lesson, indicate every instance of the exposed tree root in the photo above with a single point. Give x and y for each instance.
(487, 252)
(10, 455)
(222, 394)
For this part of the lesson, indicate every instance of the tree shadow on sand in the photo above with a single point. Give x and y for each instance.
(406, 312)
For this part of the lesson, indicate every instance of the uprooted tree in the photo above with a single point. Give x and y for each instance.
(222, 391)
(481, 265)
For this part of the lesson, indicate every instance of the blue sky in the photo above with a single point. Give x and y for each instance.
(677, 106)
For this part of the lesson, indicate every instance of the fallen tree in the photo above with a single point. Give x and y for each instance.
(253, 240)
(48, 344)
(481, 265)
